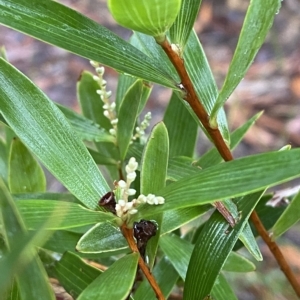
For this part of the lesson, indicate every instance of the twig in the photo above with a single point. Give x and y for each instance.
(193, 100)
(276, 252)
(128, 234)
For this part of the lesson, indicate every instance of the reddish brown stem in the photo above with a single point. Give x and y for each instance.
(128, 234)
(276, 252)
(195, 103)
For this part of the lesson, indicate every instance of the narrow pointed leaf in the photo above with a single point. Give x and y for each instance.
(85, 128)
(238, 263)
(127, 116)
(21, 259)
(184, 22)
(289, 218)
(222, 290)
(25, 173)
(44, 130)
(207, 260)
(3, 161)
(234, 178)
(182, 128)
(34, 212)
(165, 276)
(258, 20)
(61, 26)
(153, 175)
(74, 274)
(90, 102)
(196, 63)
(114, 283)
(103, 237)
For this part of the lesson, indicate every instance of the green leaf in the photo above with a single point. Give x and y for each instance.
(3, 161)
(153, 175)
(238, 263)
(153, 18)
(246, 235)
(34, 212)
(258, 20)
(74, 274)
(182, 128)
(180, 167)
(61, 26)
(165, 276)
(25, 174)
(289, 218)
(222, 290)
(127, 117)
(213, 157)
(176, 218)
(103, 237)
(184, 22)
(21, 259)
(86, 128)
(205, 86)
(90, 102)
(212, 248)
(114, 283)
(178, 252)
(44, 130)
(232, 179)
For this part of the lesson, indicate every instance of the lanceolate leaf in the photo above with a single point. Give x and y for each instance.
(231, 179)
(184, 22)
(63, 27)
(208, 259)
(20, 259)
(114, 283)
(290, 216)
(182, 128)
(25, 173)
(103, 237)
(258, 20)
(90, 102)
(34, 212)
(86, 128)
(44, 130)
(153, 175)
(127, 116)
(74, 274)
(222, 290)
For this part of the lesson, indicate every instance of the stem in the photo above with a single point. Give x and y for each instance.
(195, 103)
(276, 252)
(128, 234)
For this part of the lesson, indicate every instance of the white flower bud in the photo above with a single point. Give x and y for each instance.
(129, 206)
(141, 199)
(122, 203)
(131, 192)
(133, 211)
(131, 176)
(108, 94)
(94, 64)
(122, 184)
(160, 200)
(106, 113)
(113, 105)
(150, 199)
(132, 164)
(100, 70)
(112, 131)
(114, 122)
(99, 92)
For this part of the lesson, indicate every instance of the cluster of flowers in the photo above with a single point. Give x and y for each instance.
(109, 107)
(124, 208)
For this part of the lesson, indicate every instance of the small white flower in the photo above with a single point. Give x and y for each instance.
(132, 164)
(99, 70)
(100, 92)
(133, 211)
(160, 200)
(131, 176)
(94, 64)
(131, 192)
(112, 131)
(122, 203)
(103, 82)
(114, 122)
(122, 184)
(108, 94)
(106, 113)
(141, 199)
(105, 106)
(112, 105)
(150, 199)
(129, 206)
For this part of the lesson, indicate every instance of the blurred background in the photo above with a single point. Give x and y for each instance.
(272, 84)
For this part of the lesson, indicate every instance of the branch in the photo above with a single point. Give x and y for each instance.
(128, 234)
(195, 103)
